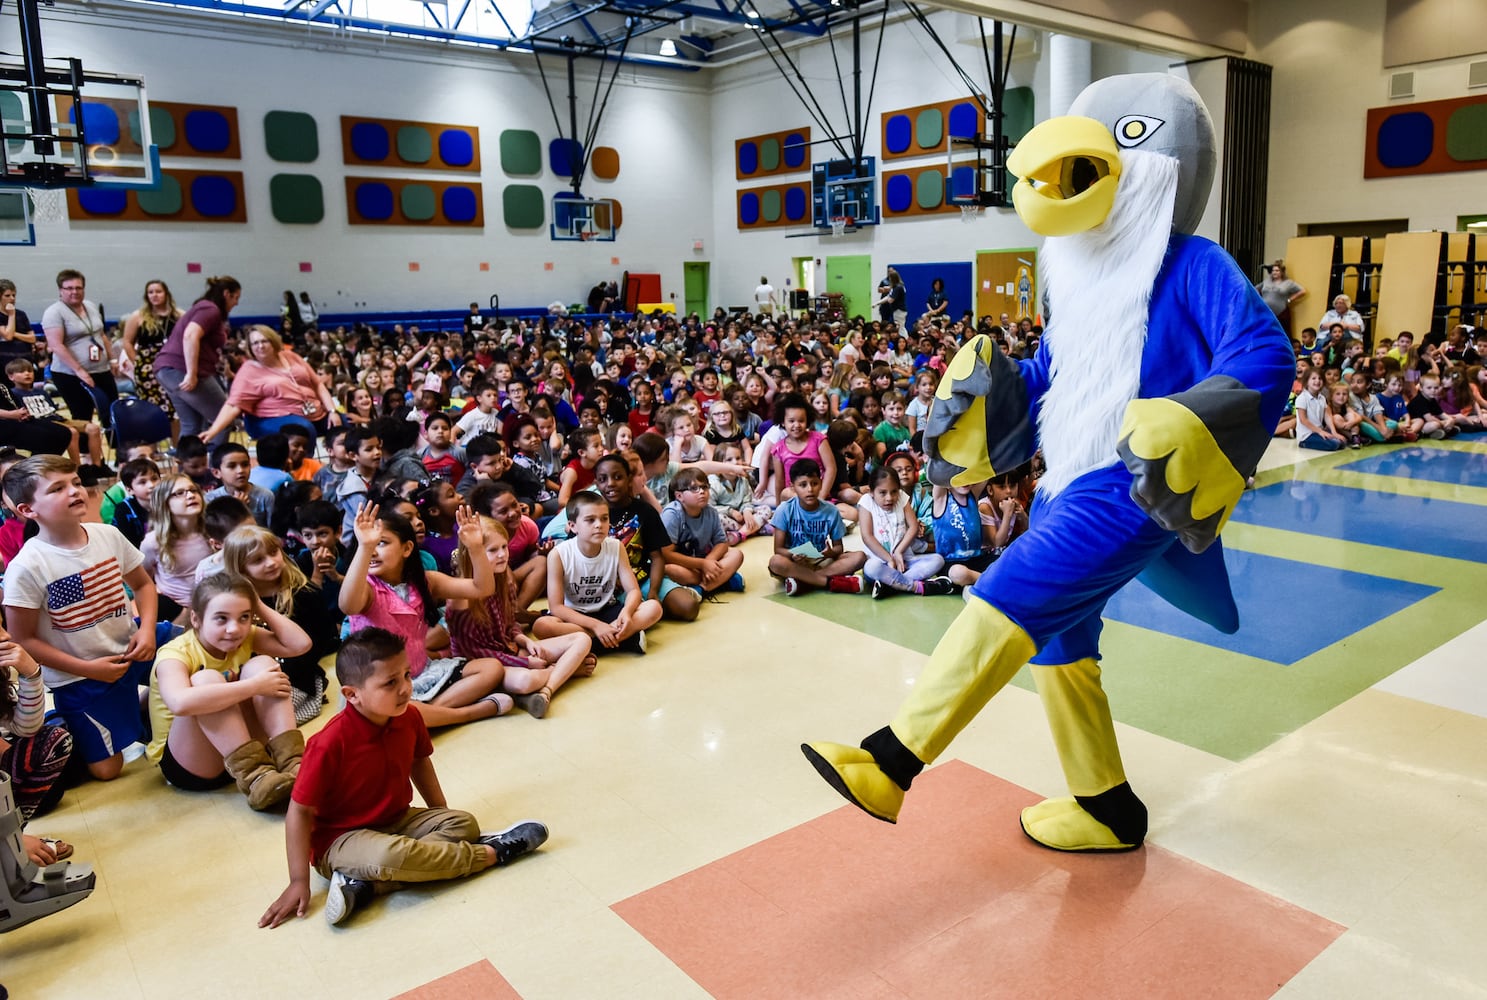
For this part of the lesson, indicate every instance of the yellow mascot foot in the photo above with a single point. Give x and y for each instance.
(1064, 825)
(854, 773)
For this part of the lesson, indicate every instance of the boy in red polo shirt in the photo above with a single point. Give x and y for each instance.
(351, 812)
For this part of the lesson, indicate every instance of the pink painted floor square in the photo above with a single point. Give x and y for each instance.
(955, 901)
(478, 980)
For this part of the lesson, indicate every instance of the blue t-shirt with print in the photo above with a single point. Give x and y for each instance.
(820, 527)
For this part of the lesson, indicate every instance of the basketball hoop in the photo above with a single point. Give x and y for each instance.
(839, 225)
(48, 205)
(969, 211)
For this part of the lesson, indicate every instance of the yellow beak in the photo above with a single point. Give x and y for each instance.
(1069, 168)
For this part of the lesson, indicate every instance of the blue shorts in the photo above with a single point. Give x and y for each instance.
(103, 717)
(667, 586)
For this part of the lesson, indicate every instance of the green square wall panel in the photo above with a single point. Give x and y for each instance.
(1466, 135)
(162, 128)
(291, 137)
(418, 202)
(521, 152)
(163, 200)
(296, 198)
(415, 144)
(522, 206)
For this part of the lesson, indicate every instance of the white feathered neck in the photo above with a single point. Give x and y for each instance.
(1099, 290)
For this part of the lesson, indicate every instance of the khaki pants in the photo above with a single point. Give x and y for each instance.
(426, 845)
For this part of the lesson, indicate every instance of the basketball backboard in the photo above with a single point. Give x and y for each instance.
(579, 219)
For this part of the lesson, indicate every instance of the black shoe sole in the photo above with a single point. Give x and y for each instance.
(825, 770)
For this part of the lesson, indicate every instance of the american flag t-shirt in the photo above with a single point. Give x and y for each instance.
(84, 599)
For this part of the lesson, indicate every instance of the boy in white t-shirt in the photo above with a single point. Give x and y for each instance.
(484, 418)
(587, 571)
(66, 606)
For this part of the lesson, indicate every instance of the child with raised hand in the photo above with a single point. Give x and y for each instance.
(889, 530)
(254, 554)
(804, 520)
(220, 707)
(535, 669)
(94, 656)
(352, 816)
(387, 587)
(702, 558)
(176, 543)
(584, 574)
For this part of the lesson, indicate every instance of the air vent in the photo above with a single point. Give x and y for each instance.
(1401, 85)
(1476, 74)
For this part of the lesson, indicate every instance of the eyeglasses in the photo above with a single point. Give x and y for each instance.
(185, 491)
(72, 288)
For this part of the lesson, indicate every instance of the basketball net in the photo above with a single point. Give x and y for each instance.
(839, 226)
(968, 213)
(48, 205)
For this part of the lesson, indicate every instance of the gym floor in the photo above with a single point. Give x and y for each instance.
(1317, 786)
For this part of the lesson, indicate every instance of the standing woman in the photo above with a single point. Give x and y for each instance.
(16, 338)
(1279, 292)
(82, 365)
(187, 364)
(145, 332)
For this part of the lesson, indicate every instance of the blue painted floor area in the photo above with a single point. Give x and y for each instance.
(1418, 524)
(1287, 610)
(1436, 465)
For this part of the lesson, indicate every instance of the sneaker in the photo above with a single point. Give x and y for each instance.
(345, 894)
(1355, 442)
(516, 840)
(1452, 431)
(844, 584)
(878, 590)
(534, 704)
(1411, 436)
(937, 586)
(792, 587)
(106, 470)
(635, 644)
(1438, 434)
(735, 583)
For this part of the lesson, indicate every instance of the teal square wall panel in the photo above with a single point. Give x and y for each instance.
(415, 144)
(162, 128)
(291, 137)
(296, 199)
(522, 206)
(521, 152)
(163, 200)
(418, 202)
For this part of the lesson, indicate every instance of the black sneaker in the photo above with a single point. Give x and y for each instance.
(936, 586)
(345, 894)
(879, 591)
(515, 841)
(635, 644)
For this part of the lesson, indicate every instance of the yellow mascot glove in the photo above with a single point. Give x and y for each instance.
(1189, 455)
(980, 424)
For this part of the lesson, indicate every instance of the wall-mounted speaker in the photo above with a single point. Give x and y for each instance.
(1476, 74)
(1401, 85)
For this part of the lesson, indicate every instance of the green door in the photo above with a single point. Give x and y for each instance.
(852, 276)
(694, 274)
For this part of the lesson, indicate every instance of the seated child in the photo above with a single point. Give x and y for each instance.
(352, 814)
(686, 444)
(365, 450)
(177, 542)
(303, 465)
(272, 470)
(1426, 407)
(587, 571)
(329, 476)
(637, 523)
(231, 464)
(805, 519)
(889, 529)
(387, 587)
(221, 518)
(962, 537)
(94, 654)
(578, 474)
(36, 401)
(1002, 513)
(526, 553)
(253, 554)
(322, 560)
(1361, 400)
(219, 704)
(733, 495)
(441, 457)
(485, 460)
(535, 670)
(702, 558)
(1397, 408)
(1345, 419)
(139, 476)
(192, 460)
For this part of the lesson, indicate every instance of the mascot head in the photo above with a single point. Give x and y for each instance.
(1070, 167)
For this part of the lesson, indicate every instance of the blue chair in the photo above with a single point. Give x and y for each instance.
(137, 420)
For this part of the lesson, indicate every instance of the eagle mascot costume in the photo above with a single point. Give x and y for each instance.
(1152, 395)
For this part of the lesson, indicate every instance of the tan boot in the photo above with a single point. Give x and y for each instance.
(286, 749)
(256, 778)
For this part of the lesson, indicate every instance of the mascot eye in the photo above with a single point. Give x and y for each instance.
(1133, 130)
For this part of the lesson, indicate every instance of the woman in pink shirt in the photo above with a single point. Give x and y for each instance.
(276, 387)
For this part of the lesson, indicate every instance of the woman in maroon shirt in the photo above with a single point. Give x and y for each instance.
(187, 364)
